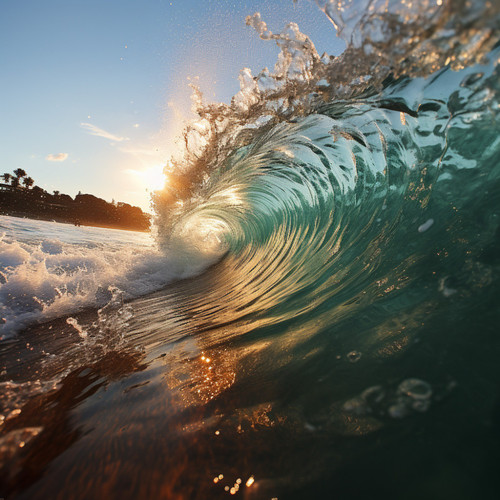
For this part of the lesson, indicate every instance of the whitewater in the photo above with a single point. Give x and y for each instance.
(314, 315)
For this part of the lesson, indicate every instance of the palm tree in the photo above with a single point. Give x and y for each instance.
(28, 182)
(6, 177)
(19, 172)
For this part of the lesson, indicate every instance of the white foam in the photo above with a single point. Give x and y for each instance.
(43, 278)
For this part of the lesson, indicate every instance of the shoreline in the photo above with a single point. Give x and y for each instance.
(82, 223)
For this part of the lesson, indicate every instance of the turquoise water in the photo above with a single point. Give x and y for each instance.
(336, 333)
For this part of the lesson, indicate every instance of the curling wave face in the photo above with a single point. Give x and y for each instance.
(322, 193)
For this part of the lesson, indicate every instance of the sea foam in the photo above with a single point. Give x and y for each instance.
(49, 270)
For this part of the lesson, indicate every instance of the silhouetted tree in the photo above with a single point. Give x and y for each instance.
(38, 191)
(19, 172)
(84, 209)
(28, 182)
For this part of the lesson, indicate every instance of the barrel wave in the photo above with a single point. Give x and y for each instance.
(360, 200)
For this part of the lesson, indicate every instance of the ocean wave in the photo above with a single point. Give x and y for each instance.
(319, 182)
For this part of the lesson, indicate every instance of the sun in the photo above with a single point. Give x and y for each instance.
(153, 178)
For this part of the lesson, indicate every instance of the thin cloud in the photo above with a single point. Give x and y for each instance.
(57, 157)
(141, 151)
(99, 132)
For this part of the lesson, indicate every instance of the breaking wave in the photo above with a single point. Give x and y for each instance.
(332, 179)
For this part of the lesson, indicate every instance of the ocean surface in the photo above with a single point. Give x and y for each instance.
(316, 312)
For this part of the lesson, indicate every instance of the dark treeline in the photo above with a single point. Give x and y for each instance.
(20, 197)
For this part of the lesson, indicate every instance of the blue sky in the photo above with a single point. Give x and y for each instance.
(94, 93)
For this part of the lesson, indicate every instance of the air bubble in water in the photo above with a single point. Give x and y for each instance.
(356, 406)
(373, 395)
(415, 388)
(354, 356)
(398, 410)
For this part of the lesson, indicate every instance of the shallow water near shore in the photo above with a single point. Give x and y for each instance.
(316, 315)
(178, 412)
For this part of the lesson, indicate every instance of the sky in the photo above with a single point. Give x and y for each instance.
(94, 94)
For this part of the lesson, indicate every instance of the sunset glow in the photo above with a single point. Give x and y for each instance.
(84, 110)
(154, 178)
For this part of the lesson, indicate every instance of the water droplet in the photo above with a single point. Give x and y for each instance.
(415, 389)
(354, 356)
